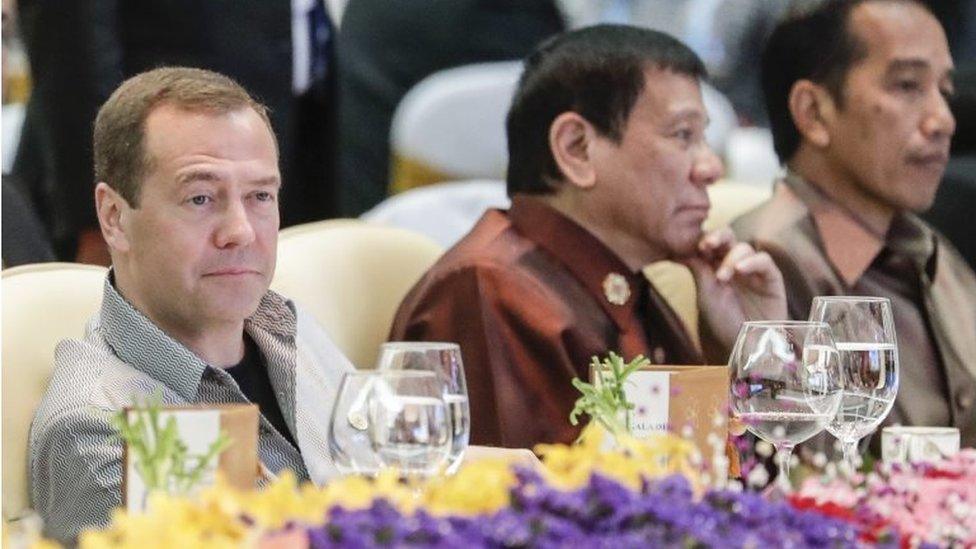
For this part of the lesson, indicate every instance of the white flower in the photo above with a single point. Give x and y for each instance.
(758, 477)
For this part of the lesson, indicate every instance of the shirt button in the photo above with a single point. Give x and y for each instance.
(964, 400)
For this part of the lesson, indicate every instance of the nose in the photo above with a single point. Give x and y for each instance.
(707, 167)
(235, 228)
(939, 122)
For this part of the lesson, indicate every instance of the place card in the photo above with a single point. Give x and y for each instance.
(689, 401)
(198, 427)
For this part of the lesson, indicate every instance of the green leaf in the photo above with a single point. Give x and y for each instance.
(606, 403)
(162, 459)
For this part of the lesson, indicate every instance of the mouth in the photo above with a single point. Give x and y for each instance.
(699, 210)
(231, 271)
(929, 161)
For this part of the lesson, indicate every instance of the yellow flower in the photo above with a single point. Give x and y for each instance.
(478, 488)
(213, 518)
(624, 458)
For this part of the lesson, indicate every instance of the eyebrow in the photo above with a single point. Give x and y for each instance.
(689, 114)
(197, 175)
(211, 176)
(914, 63)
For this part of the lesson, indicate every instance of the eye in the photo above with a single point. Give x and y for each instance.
(908, 85)
(200, 200)
(686, 135)
(264, 196)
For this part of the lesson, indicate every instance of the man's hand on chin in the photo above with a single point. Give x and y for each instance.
(735, 284)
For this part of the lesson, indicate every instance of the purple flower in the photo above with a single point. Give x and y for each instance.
(604, 513)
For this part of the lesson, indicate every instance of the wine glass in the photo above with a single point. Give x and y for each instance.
(786, 383)
(390, 419)
(864, 333)
(445, 359)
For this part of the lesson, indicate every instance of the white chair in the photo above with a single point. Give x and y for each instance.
(722, 121)
(442, 211)
(674, 281)
(42, 304)
(351, 276)
(451, 126)
(750, 157)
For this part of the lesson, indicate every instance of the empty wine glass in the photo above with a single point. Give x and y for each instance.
(390, 419)
(864, 332)
(445, 359)
(785, 383)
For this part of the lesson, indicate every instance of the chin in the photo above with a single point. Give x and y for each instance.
(922, 206)
(917, 203)
(685, 248)
(235, 307)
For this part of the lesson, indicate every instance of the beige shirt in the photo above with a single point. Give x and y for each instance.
(823, 249)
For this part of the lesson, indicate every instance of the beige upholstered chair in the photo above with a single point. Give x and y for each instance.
(42, 304)
(729, 200)
(351, 276)
(314, 226)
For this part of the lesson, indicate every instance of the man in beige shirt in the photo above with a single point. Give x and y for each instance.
(857, 97)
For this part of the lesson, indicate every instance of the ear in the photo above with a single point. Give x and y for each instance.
(570, 140)
(112, 210)
(812, 108)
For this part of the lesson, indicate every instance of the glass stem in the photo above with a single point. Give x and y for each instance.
(850, 456)
(784, 452)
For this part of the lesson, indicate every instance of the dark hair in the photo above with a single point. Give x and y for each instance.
(812, 44)
(119, 138)
(597, 72)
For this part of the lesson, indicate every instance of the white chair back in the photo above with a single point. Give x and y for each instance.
(451, 125)
(444, 212)
(42, 304)
(722, 120)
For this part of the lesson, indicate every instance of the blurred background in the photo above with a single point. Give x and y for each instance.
(385, 109)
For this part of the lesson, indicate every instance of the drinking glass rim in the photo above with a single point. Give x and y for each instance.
(420, 345)
(785, 324)
(852, 298)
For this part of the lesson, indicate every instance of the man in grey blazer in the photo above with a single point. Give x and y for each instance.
(187, 200)
(857, 94)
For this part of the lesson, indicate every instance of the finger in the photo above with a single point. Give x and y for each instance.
(716, 244)
(757, 264)
(738, 253)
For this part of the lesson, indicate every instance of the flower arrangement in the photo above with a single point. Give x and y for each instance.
(929, 503)
(583, 495)
(607, 490)
(603, 513)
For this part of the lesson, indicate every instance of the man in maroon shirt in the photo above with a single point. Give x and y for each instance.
(608, 167)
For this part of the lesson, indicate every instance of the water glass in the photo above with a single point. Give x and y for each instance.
(864, 333)
(785, 383)
(390, 419)
(445, 360)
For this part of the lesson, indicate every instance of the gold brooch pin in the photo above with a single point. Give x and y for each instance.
(616, 289)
